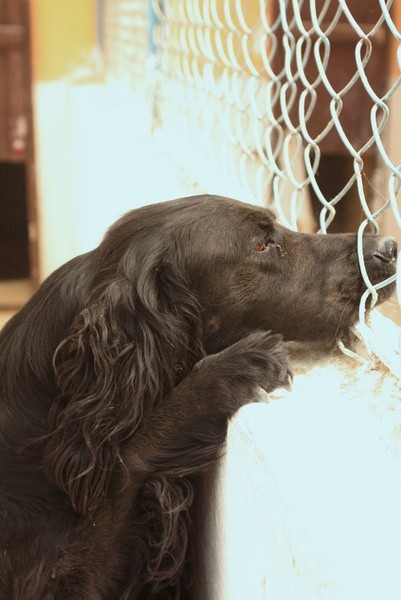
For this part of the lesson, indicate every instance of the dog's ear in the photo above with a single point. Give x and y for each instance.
(119, 359)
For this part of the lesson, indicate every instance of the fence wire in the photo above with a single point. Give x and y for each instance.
(291, 103)
(255, 97)
(125, 40)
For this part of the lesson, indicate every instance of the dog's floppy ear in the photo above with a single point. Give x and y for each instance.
(119, 358)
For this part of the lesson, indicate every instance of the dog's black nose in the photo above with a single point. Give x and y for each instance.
(386, 250)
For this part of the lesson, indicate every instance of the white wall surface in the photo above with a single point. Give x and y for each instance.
(54, 175)
(95, 160)
(306, 503)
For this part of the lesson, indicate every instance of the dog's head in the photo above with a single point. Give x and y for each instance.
(248, 272)
(257, 274)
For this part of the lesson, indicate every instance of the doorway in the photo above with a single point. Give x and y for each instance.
(14, 245)
(18, 240)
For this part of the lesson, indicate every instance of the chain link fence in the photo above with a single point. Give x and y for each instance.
(292, 103)
(125, 40)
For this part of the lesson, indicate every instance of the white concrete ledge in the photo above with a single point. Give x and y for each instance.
(306, 504)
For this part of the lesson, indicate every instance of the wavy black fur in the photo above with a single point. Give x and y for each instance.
(118, 378)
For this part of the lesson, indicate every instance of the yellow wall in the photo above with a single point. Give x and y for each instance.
(63, 36)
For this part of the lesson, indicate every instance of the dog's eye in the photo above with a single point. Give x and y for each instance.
(264, 246)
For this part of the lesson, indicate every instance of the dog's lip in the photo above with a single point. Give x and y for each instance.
(380, 276)
(381, 267)
(384, 259)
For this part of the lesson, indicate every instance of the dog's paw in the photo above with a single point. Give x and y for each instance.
(263, 357)
(259, 360)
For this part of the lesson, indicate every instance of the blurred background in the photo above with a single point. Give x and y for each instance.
(106, 105)
(75, 133)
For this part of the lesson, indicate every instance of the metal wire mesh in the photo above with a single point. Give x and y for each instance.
(125, 40)
(270, 100)
(254, 94)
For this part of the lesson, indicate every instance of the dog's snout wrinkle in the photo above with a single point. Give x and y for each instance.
(387, 250)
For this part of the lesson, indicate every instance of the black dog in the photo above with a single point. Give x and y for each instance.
(118, 377)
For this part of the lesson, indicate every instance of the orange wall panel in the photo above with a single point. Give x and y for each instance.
(63, 36)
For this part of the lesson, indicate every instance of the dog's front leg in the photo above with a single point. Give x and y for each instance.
(186, 432)
(183, 437)
(142, 529)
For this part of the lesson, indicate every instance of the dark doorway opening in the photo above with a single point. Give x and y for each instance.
(14, 243)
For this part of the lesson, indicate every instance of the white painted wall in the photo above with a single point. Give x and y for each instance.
(306, 503)
(54, 175)
(388, 223)
(95, 160)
